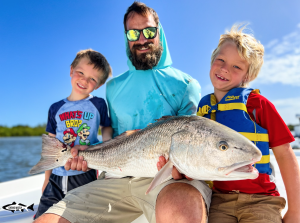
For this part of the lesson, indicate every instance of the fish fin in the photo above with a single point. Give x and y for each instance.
(22, 210)
(164, 118)
(22, 204)
(52, 151)
(13, 203)
(180, 151)
(31, 207)
(162, 176)
(12, 211)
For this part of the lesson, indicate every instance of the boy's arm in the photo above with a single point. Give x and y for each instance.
(106, 133)
(47, 172)
(290, 172)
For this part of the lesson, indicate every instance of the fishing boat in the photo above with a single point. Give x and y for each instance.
(26, 191)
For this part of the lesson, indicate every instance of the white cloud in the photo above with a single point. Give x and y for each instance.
(282, 60)
(288, 108)
(271, 43)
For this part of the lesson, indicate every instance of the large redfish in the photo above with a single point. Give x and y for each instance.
(198, 147)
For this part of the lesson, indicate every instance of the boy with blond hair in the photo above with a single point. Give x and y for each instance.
(76, 120)
(234, 63)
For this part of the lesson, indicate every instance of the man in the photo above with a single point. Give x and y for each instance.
(150, 89)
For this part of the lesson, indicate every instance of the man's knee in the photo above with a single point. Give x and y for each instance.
(180, 201)
(53, 218)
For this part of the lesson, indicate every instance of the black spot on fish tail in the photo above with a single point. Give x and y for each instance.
(56, 160)
(64, 150)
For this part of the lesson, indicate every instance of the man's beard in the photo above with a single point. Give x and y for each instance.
(148, 60)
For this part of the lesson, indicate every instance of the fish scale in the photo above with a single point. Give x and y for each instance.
(153, 141)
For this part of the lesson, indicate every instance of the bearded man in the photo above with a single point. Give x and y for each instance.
(150, 89)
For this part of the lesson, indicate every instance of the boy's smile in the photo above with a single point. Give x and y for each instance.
(221, 78)
(228, 70)
(84, 79)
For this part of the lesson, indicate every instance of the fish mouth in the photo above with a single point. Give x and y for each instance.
(240, 168)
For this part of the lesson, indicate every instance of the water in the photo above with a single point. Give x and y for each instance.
(18, 155)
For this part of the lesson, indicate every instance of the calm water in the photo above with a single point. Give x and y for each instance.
(19, 154)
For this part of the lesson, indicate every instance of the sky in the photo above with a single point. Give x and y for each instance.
(39, 40)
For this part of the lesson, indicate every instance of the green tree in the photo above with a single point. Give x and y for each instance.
(291, 127)
(22, 130)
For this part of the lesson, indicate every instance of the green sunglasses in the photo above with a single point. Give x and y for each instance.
(134, 34)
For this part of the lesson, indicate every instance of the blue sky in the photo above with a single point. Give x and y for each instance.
(39, 40)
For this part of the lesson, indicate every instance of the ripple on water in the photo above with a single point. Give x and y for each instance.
(18, 155)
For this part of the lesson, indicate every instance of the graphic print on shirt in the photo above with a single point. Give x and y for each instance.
(83, 133)
(73, 119)
(69, 137)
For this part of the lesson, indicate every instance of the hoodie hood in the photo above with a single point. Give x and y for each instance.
(165, 59)
(139, 97)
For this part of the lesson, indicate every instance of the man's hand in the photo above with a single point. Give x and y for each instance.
(175, 173)
(77, 163)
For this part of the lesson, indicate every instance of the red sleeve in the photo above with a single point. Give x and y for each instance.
(267, 117)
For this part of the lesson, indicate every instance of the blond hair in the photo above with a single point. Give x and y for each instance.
(96, 59)
(248, 48)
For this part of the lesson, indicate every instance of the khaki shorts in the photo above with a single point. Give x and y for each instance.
(245, 208)
(116, 200)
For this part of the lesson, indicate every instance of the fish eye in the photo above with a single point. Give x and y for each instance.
(223, 146)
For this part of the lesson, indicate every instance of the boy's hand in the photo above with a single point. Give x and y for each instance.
(175, 173)
(77, 163)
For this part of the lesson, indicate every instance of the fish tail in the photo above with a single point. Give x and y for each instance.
(30, 207)
(52, 155)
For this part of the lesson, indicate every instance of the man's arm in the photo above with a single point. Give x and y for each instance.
(290, 173)
(189, 106)
(112, 114)
(190, 99)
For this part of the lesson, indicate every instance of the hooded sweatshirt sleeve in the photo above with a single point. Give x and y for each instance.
(190, 99)
(112, 114)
